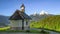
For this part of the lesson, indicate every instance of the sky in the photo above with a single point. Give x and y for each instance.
(8, 7)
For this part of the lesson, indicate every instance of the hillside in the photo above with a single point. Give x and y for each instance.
(50, 22)
(4, 20)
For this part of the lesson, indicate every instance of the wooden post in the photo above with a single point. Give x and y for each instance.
(23, 24)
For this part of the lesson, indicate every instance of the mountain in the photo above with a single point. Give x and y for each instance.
(43, 12)
(42, 15)
(50, 22)
(4, 20)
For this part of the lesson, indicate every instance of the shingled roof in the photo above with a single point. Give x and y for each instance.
(18, 15)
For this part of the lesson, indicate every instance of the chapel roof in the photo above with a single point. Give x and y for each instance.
(18, 15)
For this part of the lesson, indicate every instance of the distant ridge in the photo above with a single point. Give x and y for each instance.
(4, 20)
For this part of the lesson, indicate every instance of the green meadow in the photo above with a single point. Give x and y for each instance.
(4, 28)
(50, 23)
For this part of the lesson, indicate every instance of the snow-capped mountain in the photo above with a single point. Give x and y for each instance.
(35, 13)
(35, 16)
(43, 12)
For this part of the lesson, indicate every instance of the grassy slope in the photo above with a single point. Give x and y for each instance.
(50, 22)
(5, 28)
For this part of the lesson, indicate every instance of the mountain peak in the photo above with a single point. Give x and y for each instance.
(43, 12)
(35, 13)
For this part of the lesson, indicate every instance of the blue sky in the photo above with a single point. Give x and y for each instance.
(8, 7)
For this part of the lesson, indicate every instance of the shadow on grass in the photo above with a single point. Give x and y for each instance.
(50, 30)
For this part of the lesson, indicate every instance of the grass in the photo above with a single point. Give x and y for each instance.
(4, 28)
(26, 31)
(50, 22)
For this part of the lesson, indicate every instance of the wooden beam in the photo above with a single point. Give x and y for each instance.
(23, 24)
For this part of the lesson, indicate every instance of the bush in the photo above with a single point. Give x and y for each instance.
(27, 30)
